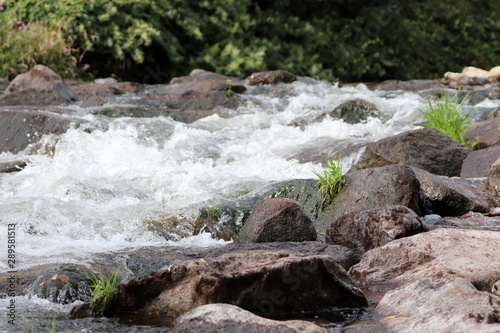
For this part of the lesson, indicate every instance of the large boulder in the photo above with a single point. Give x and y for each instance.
(435, 305)
(367, 229)
(21, 128)
(277, 220)
(215, 318)
(39, 86)
(271, 77)
(478, 163)
(425, 148)
(375, 188)
(267, 283)
(440, 253)
(453, 196)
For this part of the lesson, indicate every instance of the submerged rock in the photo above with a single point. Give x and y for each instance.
(425, 148)
(271, 77)
(453, 196)
(440, 253)
(367, 229)
(355, 111)
(268, 283)
(277, 220)
(214, 318)
(435, 305)
(39, 86)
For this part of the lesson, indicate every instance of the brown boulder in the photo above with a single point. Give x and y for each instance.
(494, 176)
(39, 86)
(488, 132)
(215, 318)
(425, 148)
(440, 253)
(435, 305)
(277, 220)
(375, 188)
(267, 283)
(271, 77)
(453, 196)
(479, 162)
(367, 229)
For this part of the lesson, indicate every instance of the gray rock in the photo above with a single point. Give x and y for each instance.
(355, 111)
(435, 305)
(267, 283)
(4, 84)
(367, 229)
(214, 318)
(39, 86)
(440, 253)
(426, 148)
(453, 196)
(277, 220)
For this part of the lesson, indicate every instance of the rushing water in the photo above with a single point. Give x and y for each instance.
(109, 176)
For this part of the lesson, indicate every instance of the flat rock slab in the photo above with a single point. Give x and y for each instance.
(479, 162)
(453, 196)
(425, 148)
(440, 253)
(271, 77)
(267, 283)
(488, 131)
(215, 318)
(435, 305)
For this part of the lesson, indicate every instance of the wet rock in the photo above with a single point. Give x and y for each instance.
(425, 148)
(475, 221)
(223, 222)
(355, 111)
(488, 131)
(478, 163)
(277, 220)
(494, 176)
(271, 77)
(375, 188)
(411, 85)
(39, 86)
(101, 92)
(201, 75)
(341, 254)
(440, 253)
(21, 128)
(453, 196)
(435, 305)
(62, 285)
(4, 84)
(13, 166)
(367, 229)
(267, 283)
(214, 318)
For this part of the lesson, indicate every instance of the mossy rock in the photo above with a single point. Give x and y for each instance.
(223, 222)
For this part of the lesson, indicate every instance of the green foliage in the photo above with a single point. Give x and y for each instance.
(330, 182)
(327, 39)
(104, 292)
(448, 116)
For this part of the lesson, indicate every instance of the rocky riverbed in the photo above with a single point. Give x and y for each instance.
(202, 192)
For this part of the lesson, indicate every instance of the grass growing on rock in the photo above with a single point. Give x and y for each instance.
(330, 182)
(448, 116)
(104, 292)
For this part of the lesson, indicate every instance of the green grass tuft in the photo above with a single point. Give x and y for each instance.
(448, 116)
(330, 182)
(104, 292)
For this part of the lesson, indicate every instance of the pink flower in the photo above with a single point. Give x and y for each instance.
(86, 67)
(46, 55)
